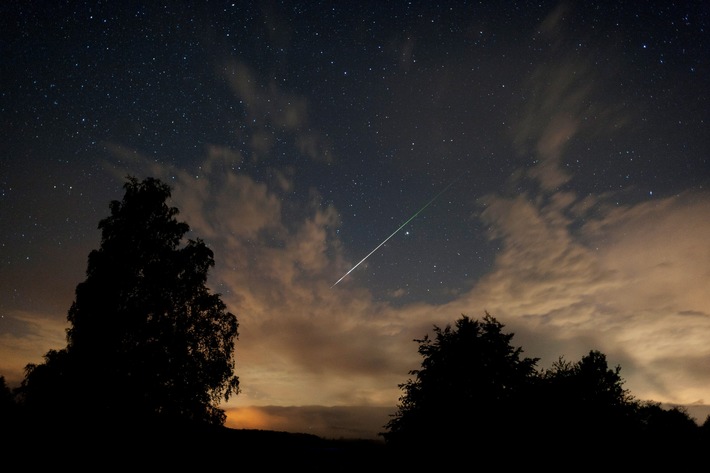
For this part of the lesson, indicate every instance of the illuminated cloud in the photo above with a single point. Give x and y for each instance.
(25, 339)
(275, 274)
(631, 283)
(271, 110)
(628, 281)
(573, 273)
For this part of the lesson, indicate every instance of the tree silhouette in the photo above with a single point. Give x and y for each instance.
(147, 338)
(584, 403)
(8, 407)
(468, 389)
(705, 430)
(476, 398)
(667, 425)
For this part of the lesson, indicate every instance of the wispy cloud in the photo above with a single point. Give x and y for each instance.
(270, 109)
(631, 282)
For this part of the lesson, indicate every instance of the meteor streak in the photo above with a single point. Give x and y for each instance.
(393, 233)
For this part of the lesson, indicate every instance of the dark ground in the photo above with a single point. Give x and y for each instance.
(223, 449)
(176, 448)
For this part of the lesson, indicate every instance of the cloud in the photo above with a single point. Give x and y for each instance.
(579, 272)
(565, 100)
(276, 260)
(573, 273)
(631, 282)
(25, 338)
(270, 110)
(551, 119)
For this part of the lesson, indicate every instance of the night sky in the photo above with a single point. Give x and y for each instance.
(555, 157)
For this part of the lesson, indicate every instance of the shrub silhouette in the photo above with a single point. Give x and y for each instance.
(468, 388)
(475, 396)
(147, 339)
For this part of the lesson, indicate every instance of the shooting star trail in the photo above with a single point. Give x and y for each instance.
(393, 233)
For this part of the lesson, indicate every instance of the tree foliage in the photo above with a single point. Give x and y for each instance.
(470, 381)
(8, 407)
(476, 393)
(146, 337)
(585, 400)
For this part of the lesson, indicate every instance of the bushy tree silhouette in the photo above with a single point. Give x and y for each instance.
(467, 390)
(8, 407)
(705, 430)
(476, 397)
(147, 339)
(584, 403)
(669, 426)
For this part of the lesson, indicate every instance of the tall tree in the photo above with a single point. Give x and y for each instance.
(584, 405)
(8, 408)
(147, 338)
(590, 387)
(468, 389)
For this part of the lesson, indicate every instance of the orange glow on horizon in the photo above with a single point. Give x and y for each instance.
(253, 418)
